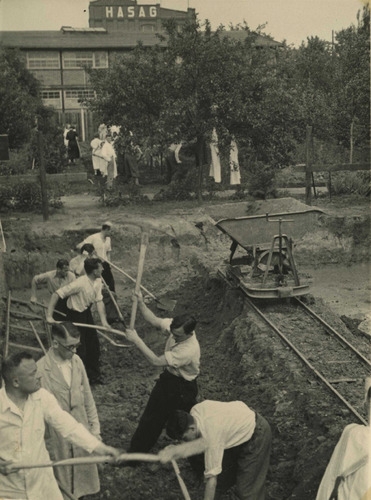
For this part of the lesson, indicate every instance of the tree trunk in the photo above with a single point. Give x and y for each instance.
(199, 163)
(308, 176)
(351, 141)
(42, 173)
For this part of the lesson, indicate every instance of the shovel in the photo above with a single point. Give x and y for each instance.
(109, 330)
(121, 318)
(163, 304)
(142, 254)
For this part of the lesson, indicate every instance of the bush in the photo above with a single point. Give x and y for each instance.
(25, 196)
(121, 195)
(349, 183)
(20, 162)
(183, 185)
(261, 181)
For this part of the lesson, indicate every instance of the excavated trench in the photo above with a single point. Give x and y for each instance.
(241, 358)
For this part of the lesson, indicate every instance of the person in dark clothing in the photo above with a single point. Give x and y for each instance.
(73, 149)
(177, 386)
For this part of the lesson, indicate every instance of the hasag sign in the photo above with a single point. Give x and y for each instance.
(131, 12)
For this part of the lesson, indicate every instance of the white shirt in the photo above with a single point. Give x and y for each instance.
(223, 426)
(101, 246)
(108, 151)
(66, 370)
(183, 357)
(22, 439)
(350, 459)
(82, 293)
(52, 281)
(77, 265)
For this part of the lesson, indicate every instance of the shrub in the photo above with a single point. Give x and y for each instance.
(261, 181)
(121, 195)
(349, 183)
(25, 196)
(20, 162)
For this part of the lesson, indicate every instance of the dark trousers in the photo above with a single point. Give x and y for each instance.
(245, 465)
(108, 276)
(170, 393)
(60, 307)
(89, 350)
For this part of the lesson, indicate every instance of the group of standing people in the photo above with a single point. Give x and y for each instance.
(112, 152)
(229, 442)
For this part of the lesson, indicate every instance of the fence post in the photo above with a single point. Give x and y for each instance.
(44, 194)
(308, 176)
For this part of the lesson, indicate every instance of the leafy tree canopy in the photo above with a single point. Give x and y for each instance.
(18, 98)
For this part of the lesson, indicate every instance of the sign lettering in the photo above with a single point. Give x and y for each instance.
(131, 11)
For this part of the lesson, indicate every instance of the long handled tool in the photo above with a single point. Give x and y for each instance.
(143, 457)
(163, 304)
(37, 337)
(101, 329)
(114, 302)
(182, 485)
(142, 254)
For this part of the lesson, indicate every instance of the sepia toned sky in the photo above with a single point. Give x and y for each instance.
(292, 20)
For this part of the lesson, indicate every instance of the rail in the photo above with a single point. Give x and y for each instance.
(306, 361)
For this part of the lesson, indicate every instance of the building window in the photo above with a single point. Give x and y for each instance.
(80, 94)
(77, 59)
(42, 60)
(86, 58)
(51, 98)
(147, 28)
(100, 60)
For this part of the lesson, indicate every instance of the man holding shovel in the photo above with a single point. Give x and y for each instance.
(54, 280)
(24, 410)
(81, 295)
(102, 245)
(176, 389)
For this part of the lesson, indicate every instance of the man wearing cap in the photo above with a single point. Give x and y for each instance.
(102, 245)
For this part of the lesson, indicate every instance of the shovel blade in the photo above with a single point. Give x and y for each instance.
(166, 304)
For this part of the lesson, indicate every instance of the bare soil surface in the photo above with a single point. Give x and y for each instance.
(241, 358)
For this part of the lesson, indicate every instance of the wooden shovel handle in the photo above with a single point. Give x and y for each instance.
(182, 484)
(103, 328)
(113, 300)
(142, 254)
(144, 457)
(131, 279)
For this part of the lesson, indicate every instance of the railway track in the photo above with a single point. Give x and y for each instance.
(341, 363)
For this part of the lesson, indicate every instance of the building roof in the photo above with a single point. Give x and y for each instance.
(43, 40)
(89, 38)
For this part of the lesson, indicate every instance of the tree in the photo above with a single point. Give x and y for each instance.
(352, 93)
(19, 98)
(200, 80)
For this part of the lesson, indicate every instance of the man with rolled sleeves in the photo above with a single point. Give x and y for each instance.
(81, 295)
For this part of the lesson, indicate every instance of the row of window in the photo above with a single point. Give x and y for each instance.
(69, 94)
(71, 97)
(51, 60)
